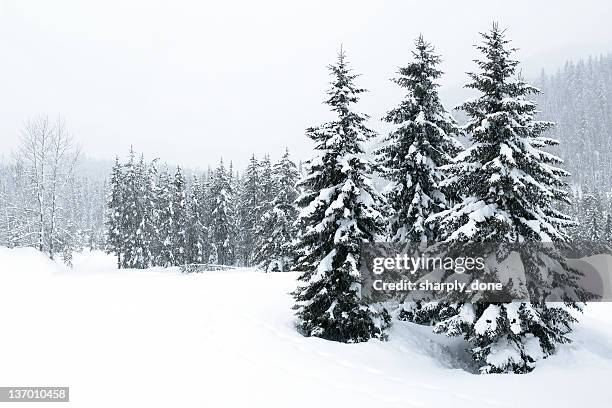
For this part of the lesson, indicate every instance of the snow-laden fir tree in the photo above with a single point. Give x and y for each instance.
(267, 192)
(410, 156)
(144, 236)
(164, 205)
(267, 186)
(510, 187)
(247, 211)
(232, 239)
(206, 212)
(276, 226)
(222, 217)
(179, 209)
(131, 214)
(114, 213)
(339, 212)
(197, 231)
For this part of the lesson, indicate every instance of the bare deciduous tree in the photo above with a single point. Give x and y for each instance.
(44, 164)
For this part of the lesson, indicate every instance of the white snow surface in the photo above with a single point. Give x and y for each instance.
(157, 338)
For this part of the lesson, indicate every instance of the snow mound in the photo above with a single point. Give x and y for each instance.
(127, 338)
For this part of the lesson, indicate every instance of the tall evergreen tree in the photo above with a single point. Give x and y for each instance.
(248, 204)
(412, 154)
(130, 215)
(267, 192)
(144, 211)
(222, 216)
(197, 230)
(232, 239)
(206, 205)
(114, 212)
(179, 207)
(339, 212)
(510, 186)
(267, 186)
(164, 205)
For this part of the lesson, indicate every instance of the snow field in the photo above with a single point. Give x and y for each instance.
(148, 338)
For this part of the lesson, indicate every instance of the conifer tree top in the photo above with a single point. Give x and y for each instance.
(509, 182)
(412, 153)
(420, 76)
(349, 125)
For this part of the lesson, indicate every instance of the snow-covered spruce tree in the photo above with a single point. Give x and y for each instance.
(114, 212)
(411, 155)
(339, 212)
(164, 207)
(144, 236)
(510, 188)
(267, 186)
(232, 239)
(276, 226)
(130, 216)
(206, 205)
(248, 203)
(222, 217)
(179, 224)
(267, 193)
(197, 230)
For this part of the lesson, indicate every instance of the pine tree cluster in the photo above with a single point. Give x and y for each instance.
(504, 188)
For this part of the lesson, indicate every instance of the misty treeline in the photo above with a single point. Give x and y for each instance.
(45, 201)
(578, 98)
(156, 217)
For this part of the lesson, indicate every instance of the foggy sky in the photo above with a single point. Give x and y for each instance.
(190, 82)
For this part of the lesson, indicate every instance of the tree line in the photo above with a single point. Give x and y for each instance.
(157, 218)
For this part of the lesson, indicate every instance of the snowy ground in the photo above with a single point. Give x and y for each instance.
(225, 339)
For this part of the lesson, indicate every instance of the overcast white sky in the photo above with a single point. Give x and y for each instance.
(191, 81)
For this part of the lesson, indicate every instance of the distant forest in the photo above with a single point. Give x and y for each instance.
(578, 98)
